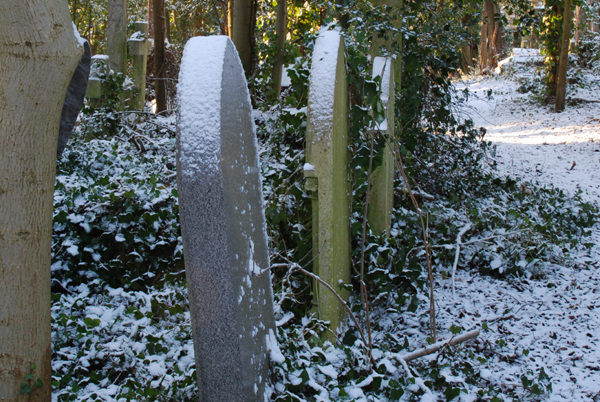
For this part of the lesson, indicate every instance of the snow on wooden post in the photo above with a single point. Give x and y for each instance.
(381, 200)
(326, 172)
(138, 48)
(223, 224)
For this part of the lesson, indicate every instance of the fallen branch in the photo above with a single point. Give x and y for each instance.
(437, 346)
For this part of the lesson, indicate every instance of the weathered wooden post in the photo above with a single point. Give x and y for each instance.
(223, 224)
(381, 200)
(138, 48)
(326, 173)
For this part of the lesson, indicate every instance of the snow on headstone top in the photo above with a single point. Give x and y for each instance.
(199, 102)
(322, 74)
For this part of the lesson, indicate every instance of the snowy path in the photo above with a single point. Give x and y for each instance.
(561, 149)
(553, 323)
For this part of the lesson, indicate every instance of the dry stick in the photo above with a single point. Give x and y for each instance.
(363, 285)
(437, 346)
(427, 245)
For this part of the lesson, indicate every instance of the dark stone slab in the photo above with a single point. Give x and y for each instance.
(223, 224)
(74, 99)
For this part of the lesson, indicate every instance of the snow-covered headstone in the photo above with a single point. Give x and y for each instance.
(223, 224)
(327, 178)
(381, 200)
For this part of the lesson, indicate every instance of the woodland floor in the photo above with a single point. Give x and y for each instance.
(552, 323)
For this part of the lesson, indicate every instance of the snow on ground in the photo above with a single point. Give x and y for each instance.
(534, 142)
(553, 323)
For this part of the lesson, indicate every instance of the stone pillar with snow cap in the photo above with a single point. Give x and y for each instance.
(381, 200)
(326, 172)
(223, 224)
(138, 49)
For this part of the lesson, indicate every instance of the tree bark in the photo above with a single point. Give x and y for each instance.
(159, 55)
(491, 36)
(563, 61)
(38, 55)
(580, 24)
(116, 35)
(242, 17)
(150, 19)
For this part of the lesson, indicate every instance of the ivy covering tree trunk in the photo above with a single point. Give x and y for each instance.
(550, 31)
(38, 55)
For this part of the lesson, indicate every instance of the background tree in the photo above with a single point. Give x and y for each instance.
(38, 54)
(492, 40)
(563, 61)
(158, 7)
(242, 21)
(280, 38)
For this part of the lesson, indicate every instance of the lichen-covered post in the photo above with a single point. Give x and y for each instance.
(138, 48)
(223, 224)
(381, 200)
(327, 173)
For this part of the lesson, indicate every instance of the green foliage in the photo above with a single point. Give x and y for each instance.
(30, 385)
(126, 344)
(116, 214)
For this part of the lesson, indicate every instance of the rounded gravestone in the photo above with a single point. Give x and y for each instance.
(327, 174)
(223, 224)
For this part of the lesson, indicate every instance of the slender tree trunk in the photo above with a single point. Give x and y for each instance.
(580, 24)
(159, 55)
(150, 18)
(242, 14)
(116, 35)
(38, 55)
(563, 61)
(280, 32)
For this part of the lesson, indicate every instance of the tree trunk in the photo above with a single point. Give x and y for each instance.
(580, 24)
(280, 32)
(490, 32)
(150, 19)
(563, 61)
(242, 17)
(116, 35)
(159, 55)
(38, 55)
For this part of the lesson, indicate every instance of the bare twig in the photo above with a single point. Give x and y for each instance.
(439, 345)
